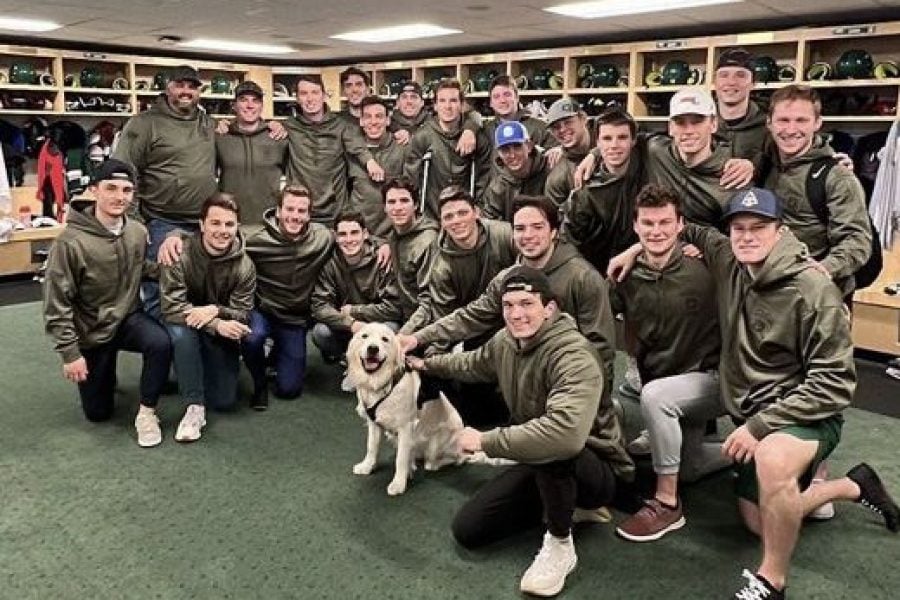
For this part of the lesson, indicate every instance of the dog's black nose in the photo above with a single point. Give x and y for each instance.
(372, 350)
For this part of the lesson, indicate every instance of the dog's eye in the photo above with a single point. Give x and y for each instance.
(365, 336)
(384, 339)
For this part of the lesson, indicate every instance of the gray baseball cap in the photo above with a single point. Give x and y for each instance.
(562, 109)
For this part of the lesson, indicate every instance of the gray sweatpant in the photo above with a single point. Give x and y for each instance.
(675, 411)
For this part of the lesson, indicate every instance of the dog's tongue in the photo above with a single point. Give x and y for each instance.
(371, 364)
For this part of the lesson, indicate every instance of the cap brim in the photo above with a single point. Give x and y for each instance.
(750, 211)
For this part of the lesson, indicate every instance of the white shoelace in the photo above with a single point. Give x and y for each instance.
(754, 590)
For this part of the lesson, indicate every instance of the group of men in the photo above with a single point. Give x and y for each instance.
(497, 236)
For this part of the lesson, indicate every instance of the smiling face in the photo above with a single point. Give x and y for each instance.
(293, 214)
(354, 89)
(504, 101)
(350, 238)
(753, 238)
(183, 96)
(615, 143)
(248, 109)
(692, 134)
(733, 85)
(310, 98)
(374, 121)
(218, 230)
(113, 196)
(570, 132)
(532, 234)
(658, 228)
(524, 313)
(460, 220)
(410, 104)
(372, 348)
(793, 125)
(516, 157)
(400, 208)
(448, 106)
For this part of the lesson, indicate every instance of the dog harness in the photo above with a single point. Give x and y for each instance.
(398, 375)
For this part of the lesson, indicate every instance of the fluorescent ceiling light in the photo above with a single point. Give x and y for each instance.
(231, 46)
(396, 33)
(17, 24)
(616, 8)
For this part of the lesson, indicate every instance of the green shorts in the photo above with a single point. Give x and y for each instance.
(827, 433)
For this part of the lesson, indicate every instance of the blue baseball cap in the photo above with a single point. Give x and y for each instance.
(754, 201)
(510, 132)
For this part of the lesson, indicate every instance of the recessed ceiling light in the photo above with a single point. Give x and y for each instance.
(232, 46)
(395, 33)
(17, 24)
(615, 8)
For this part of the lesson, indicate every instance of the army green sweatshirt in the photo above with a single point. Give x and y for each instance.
(844, 245)
(370, 290)
(459, 276)
(365, 195)
(93, 280)
(399, 121)
(787, 355)
(412, 253)
(175, 159)
(446, 166)
(560, 180)
(319, 152)
(579, 289)
(286, 268)
(550, 384)
(250, 167)
(600, 218)
(199, 279)
(671, 313)
(504, 186)
(704, 199)
(748, 138)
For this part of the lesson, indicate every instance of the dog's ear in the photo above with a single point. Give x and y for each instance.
(354, 367)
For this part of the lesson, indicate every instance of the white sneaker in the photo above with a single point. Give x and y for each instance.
(824, 512)
(192, 423)
(547, 574)
(147, 425)
(639, 446)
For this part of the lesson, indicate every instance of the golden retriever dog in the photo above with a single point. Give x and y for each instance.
(386, 392)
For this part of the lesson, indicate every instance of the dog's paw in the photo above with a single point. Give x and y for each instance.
(363, 468)
(395, 488)
(432, 466)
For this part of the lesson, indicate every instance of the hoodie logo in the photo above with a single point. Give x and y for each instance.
(819, 172)
(760, 321)
(749, 200)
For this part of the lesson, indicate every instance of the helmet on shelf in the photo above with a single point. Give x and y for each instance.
(220, 84)
(90, 77)
(765, 69)
(675, 72)
(855, 64)
(23, 73)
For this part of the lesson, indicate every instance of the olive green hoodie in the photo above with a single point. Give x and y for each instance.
(412, 253)
(577, 286)
(748, 138)
(704, 200)
(458, 276)
(319, 151)
(561, 179)
(550, 384)
(370, 291)
(93, 280)
(845, 244)
(200, 279)
(286, 268)
(175, 159)
(399, 121)
(787, 355)
(504, 186)
(365, 195)
(447, 166)
(250, 167)
(671, 313)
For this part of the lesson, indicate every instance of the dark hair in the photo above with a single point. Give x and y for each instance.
(220, 200)
(792, 92)
(617, 116)
(452, 193)
(350, 216)
(372, 101)
(346, 73)
(293, 189)
(448, 83)
(505, 81)
(657, 196)
(399, 183)
(313, 78)
(542, 203)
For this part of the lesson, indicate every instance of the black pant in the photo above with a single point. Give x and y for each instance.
(524, 496)
(137, 333)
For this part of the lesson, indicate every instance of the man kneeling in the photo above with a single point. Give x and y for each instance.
(549, 375)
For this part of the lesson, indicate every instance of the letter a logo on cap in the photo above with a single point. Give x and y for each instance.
(749, 200)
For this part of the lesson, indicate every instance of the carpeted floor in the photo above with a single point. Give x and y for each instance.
(265, 506)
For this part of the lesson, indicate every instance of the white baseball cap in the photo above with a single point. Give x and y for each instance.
(692, 101)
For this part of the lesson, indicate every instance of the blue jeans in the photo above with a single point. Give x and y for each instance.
(290, 354)
(207, 367)
(158, 229)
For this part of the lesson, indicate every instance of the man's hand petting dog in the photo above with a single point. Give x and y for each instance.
(408, 343)
(469, 441)
(416, 363)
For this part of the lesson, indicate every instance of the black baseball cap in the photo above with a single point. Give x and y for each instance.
(735, 57)
(185, 73)
(248, 87)
(113, 169)
(412, 86)
(528, 279)
(755, 201)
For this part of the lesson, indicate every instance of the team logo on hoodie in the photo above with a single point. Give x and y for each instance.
(760, 321)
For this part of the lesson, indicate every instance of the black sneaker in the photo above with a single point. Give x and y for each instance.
(260, 399)
(757, 588)
(873, 495)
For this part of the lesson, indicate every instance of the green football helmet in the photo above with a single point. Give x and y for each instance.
(855, 64)
(482, 80)
(220, 84)
(23, 73)
(541, 79)
(606, 75)
(90, 77)
(675, 72)
(160, 80)
(765, 69)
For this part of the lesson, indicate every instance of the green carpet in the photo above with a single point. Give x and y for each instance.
(266, 506)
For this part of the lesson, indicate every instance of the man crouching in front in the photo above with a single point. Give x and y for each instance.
(549, 376)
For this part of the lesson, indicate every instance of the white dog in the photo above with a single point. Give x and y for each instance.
(387, 393)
